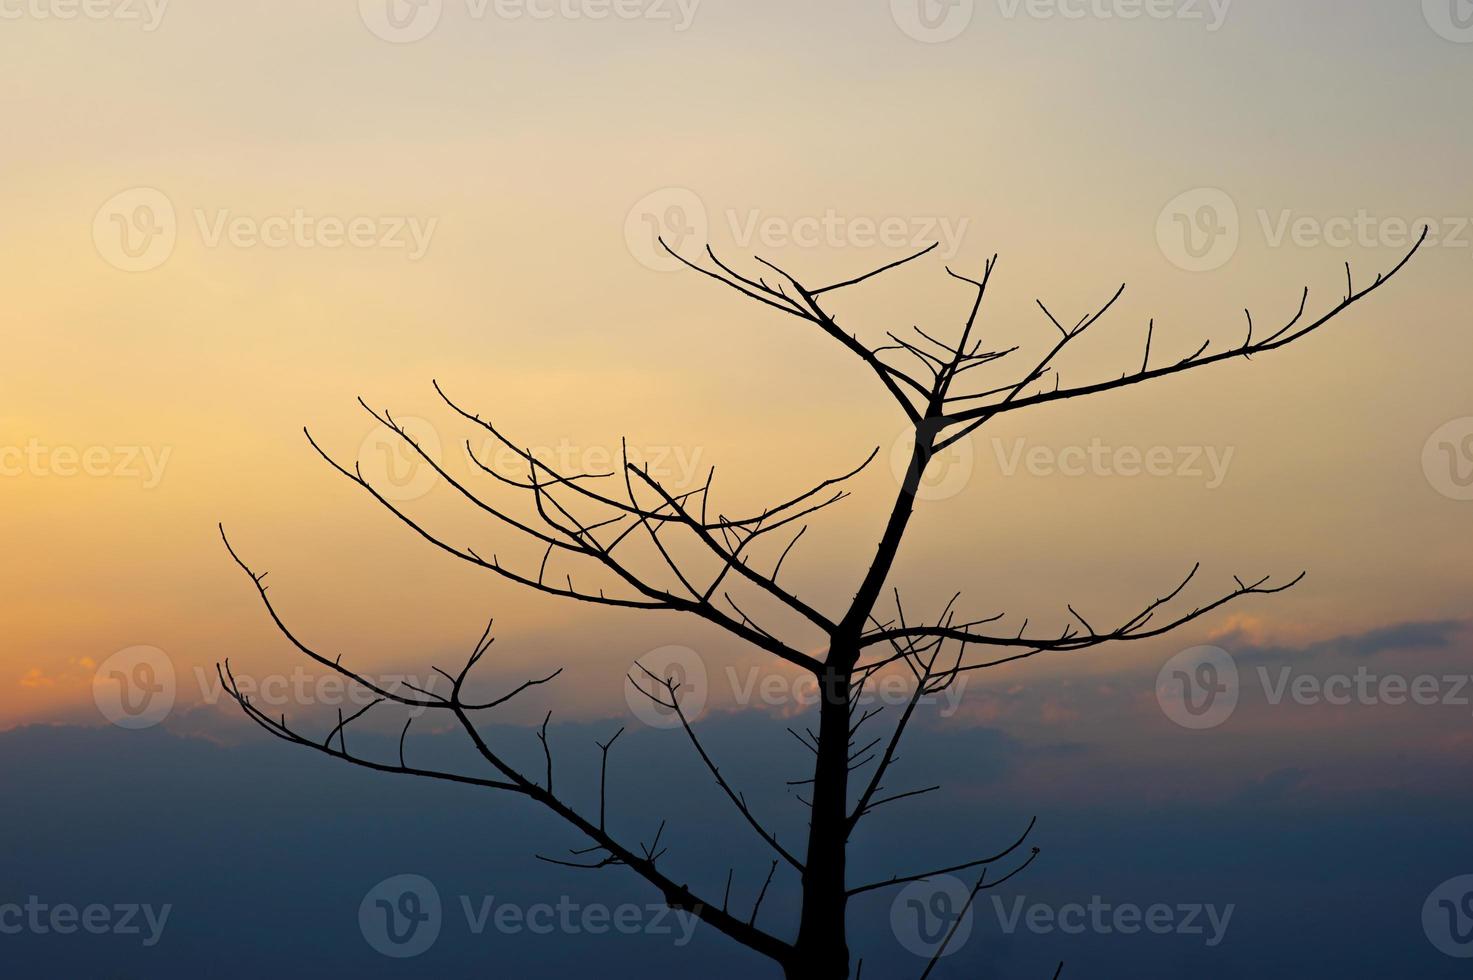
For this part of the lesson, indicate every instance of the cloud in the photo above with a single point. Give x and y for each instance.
(75, 671)
(34, 678)
(215, 831)
(1249, 644)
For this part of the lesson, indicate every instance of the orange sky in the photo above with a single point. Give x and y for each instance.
(335, 214)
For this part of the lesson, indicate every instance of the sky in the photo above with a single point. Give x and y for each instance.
(226, 223)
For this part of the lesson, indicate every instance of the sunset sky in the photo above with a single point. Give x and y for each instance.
(521, 147)
(225, 222)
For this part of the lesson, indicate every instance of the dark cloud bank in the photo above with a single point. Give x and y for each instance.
(265, 851)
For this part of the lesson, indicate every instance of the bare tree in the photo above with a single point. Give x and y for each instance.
(694, 557)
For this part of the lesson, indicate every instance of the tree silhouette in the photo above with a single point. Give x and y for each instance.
(578, 520)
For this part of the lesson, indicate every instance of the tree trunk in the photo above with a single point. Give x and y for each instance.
(822, 949)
